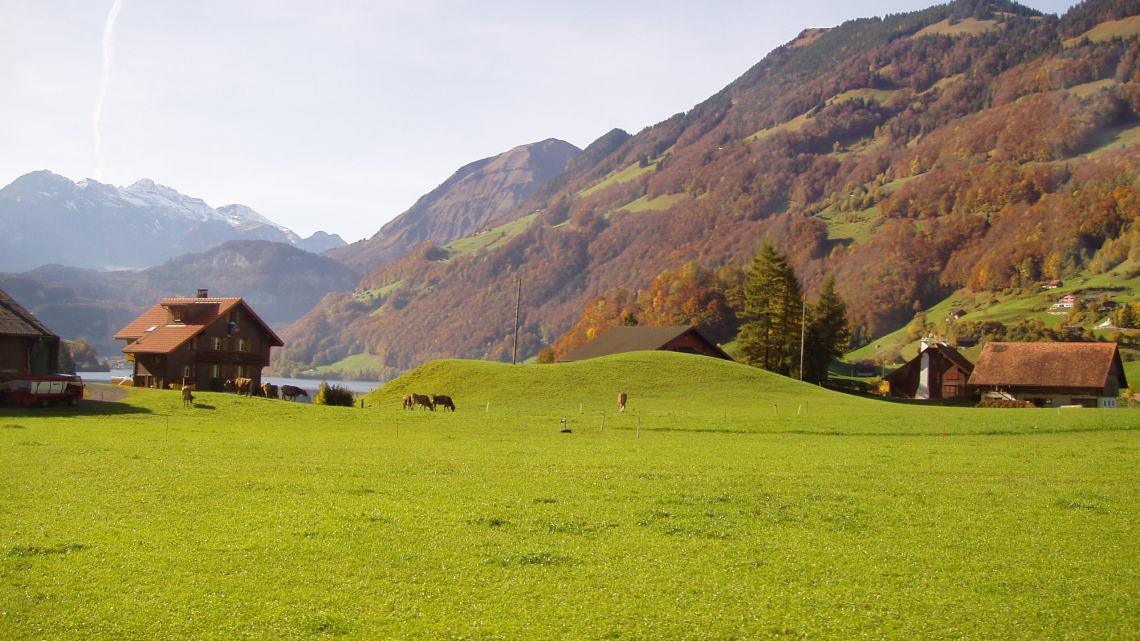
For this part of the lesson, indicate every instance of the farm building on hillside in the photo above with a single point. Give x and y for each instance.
(1052, 374)
(938, 371)
(26, 345)
(198, 341)
(618, 340)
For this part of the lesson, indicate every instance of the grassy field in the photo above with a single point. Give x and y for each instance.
(839, 517)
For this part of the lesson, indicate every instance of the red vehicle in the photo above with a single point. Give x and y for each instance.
(61, 389)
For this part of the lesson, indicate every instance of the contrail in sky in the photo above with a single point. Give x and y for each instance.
(108, 54)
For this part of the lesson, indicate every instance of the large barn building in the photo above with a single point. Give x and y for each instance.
(617, 340)
(197, 341)
(26, 345)
(1052, 374)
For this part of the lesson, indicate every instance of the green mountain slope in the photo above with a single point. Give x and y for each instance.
(980, 154)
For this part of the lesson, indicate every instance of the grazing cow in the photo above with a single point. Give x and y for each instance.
(244, 386)
(445, 401)
(291, 392)
(187, 396)
(621, 402)
(240, 386)
(420, 399)
(409, 404)
(269, 390)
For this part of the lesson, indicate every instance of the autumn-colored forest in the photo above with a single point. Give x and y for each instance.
(907, 167)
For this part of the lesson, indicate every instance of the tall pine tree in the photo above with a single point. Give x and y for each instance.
(827, 335)
(770, 336)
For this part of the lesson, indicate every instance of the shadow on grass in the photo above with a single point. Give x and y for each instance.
(85, 408)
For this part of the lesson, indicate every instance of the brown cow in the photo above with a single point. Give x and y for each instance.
(409, 404)
(269, 390)
(445, 401)
(420, 399)
(621, 402)
(187, 396)
(244, 386)
(291, 392)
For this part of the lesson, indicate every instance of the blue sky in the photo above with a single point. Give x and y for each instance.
(339, 117)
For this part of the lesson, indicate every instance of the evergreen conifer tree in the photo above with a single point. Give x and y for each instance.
(770, 337)
(828, 333)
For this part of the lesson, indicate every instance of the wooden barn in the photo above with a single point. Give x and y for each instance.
(197, 341)
(1052, 374)
(618, 340)
(938, 371)
(26, 345)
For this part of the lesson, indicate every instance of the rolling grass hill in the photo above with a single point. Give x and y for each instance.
(262, 519)
(730, 397)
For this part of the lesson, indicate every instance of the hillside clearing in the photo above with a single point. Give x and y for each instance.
(1125, 28)
(966, 27)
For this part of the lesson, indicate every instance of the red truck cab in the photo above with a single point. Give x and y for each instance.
(59, 389)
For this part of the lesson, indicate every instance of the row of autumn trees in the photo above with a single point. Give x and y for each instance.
(763, 307)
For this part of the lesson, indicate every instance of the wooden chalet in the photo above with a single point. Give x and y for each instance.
(1052, 374)
(27, 347)
(939, 371)
(618, 340)
(197, 341)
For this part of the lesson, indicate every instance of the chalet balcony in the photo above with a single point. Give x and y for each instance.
(217, 356)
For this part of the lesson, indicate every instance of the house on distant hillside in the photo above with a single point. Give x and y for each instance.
(1066, 302)
(618, 340)
(1053, 284)
(938, 371)
(956, 314)
(200, 341)
(1052, 374)
(26, 345)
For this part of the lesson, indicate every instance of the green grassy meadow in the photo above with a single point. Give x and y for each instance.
(718, 518)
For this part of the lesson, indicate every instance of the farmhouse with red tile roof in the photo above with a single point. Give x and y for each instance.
(197, 341)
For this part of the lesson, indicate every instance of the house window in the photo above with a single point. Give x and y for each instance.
(241, 344)
(233, 317)
(177, 315)
(194, 343)
(240, 371)
(215, 371)
(217, 343)
(185, 371)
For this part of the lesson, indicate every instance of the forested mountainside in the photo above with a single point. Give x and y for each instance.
(475, 196)
(976, 144)
(280, 282)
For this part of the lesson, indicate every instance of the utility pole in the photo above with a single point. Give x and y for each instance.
(518, 306)
(803, 322)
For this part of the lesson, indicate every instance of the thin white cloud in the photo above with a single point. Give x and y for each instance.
(108, 58)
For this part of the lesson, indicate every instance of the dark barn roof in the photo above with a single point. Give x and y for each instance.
(1085, 365)
(621, 339)
(17, 321)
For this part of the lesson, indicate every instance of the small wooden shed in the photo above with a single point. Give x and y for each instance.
(27, 346)
(938, 371)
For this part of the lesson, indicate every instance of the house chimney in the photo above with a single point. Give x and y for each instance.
(203, 292)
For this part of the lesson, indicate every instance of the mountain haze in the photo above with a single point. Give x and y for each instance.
(279, 281)
(46, 218)
(478, 194)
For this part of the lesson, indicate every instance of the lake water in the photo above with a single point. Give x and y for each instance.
(307, 384)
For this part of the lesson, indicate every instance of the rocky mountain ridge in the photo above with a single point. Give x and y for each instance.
(479, 194)
(46, 218)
